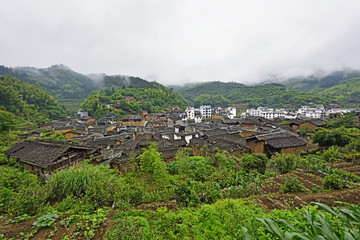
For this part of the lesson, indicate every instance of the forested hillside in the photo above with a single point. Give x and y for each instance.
(58, 80)
(261, 95)
(152, 100)
(120, 82)
(27, 101)
(317, 83)
(64, 83)
(348, 92)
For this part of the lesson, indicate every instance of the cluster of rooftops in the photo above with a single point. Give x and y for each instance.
(113, 141)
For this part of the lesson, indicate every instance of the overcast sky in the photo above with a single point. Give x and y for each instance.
(179, 41)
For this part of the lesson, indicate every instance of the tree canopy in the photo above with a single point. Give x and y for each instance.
(27, 101)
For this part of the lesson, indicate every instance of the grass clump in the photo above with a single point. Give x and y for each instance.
(97, 183)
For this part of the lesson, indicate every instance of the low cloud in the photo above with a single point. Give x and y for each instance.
(175, 42)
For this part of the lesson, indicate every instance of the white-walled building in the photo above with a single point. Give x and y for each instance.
(303, 111)
(231, 112)
(198, 117)
(205, 111)
(190, 113)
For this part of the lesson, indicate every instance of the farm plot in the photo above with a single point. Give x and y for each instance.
(298, 200)
(310, 181)
(348, 167)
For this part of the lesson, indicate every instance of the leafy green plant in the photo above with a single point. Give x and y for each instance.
(20, 192)
(292, 185)
(18, 219)
(331, 154)
(186, 195)
(334, 181)
(46, 220)
(336, 224)
(284, 163)
(254, 161)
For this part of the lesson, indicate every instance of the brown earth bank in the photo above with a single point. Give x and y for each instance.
(269, 202)
(299, 200)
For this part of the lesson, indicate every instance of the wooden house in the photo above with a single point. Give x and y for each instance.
(73, 133)
(46, 157)
(278, 141)
(132, 120)
(286, 145)
(172, 108)
(230, 146)
(64, 129)
(312, 124)
(87, 119)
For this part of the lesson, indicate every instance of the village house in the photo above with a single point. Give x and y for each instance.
(87, 120)
(312, 124)
(82, 113)
(280, 141)
(176, 119)
(172, 108)
(132, 120)
(46, 157)
(128, 99)
(64, 129)
(73, 133)
(205, 111)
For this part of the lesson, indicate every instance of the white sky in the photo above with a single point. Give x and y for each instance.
(179, 41)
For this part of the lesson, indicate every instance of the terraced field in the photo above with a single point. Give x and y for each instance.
(274, 199)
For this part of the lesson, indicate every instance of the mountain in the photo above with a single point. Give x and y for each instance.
(59, 80)
(132, 101)
(27, 101)
(64, 83)
(320, 81)
(346, 93)
(270, 95)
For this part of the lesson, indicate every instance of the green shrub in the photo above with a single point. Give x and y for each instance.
(325, 137)
(254, 161)
(20, 192)
(284, 163)
(353, 146)
(334, 181)
(226, 164)
(186, 195)
(292, 185)
(127, 195)
(331, 154)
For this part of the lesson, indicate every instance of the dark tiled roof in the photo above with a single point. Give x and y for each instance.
(129, 145)
(169, 152)
(132, 117)
(223, 144)
(317, 122)
(198, 142)
(180, 143)
(217, 132)
(40, 154)
(286, 142)
(64, 127)
(275, 134)
(102, 143)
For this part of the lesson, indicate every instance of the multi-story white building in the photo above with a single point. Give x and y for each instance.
(268, 113)
(205, 111)
(303, 111)
(190, 113)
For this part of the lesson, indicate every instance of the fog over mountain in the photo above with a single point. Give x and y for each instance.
(181, 41)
